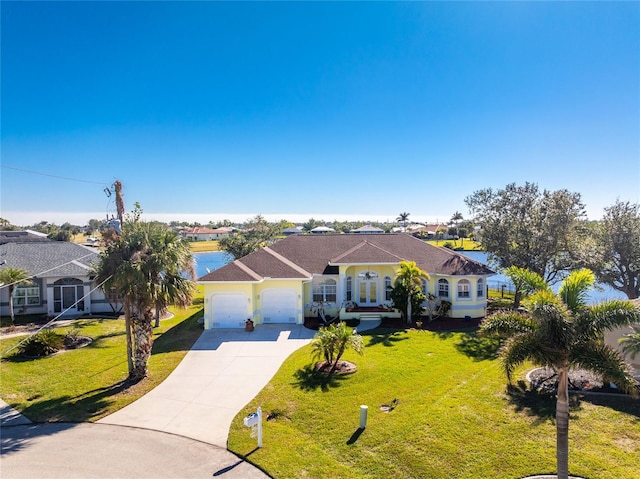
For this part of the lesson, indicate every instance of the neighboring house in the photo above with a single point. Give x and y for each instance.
(201, 233)
(286, 281)
(26, 236)
(611, 338)
(430, 231)
(367, 230)
(318, 230)
(62, 277)
(296, 230)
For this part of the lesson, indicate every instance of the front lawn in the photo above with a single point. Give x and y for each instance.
(89, 383)
(454, 418)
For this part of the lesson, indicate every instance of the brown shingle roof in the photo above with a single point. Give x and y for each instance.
(296, 255)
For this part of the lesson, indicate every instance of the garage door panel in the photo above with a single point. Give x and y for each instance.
(229, 310)
(280, 306)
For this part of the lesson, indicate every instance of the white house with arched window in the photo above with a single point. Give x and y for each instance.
(62, 279)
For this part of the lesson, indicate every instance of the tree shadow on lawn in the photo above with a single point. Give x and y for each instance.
(620, 403)
(386, 337)
(479, 348)
(537, 403)
(81, 408)
(180, 337)
(308, 379)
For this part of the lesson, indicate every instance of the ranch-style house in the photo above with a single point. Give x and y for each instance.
(350, 275)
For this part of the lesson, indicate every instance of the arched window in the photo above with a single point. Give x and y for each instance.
(388, 286)
(480, 288)
(464, 289)
(349, 289)
(324, 289)
(443, 288)
(425, 286)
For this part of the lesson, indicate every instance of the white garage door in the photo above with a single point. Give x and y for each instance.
(230, 310)
(279, 306)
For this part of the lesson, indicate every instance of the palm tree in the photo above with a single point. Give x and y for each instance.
(456, 218)
(560, 331)
(403, 218)
(525, 282)
(331, 342)
(409, 278)
(12, 277)
(145, 265)
(631, 343)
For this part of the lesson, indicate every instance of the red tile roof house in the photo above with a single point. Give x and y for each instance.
(284, 282)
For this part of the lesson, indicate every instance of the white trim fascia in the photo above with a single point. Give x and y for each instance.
(83, 266)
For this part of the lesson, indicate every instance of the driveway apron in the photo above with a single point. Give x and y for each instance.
(224, 370)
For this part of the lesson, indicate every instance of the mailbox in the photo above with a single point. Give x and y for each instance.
(251, 420)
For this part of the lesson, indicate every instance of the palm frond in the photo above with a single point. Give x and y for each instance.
(574, 288)
(507, 323)
(631, 343)
(517, 350)
(604, 360)
(595, 320)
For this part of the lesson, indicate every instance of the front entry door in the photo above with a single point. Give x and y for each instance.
(368, 292)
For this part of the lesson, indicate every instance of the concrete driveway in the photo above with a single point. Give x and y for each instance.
(179, 429)
(224, 370)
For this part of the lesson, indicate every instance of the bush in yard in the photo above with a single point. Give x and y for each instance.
(43, 343)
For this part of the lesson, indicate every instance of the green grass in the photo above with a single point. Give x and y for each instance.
(89, 383)
(460, 244)
(203, 246)
(455, 418)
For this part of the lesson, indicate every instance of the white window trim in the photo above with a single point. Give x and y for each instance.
(322, 287)
(463, 289)
(444, 281)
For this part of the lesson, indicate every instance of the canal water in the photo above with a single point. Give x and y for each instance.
(211, 261)
(600, 292)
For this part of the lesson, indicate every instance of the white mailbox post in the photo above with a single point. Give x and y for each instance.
(254, 421)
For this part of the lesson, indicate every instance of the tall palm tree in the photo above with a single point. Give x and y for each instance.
(403, 218)
(410, 277)
(12, 277)
(560, 331)
(145, 265)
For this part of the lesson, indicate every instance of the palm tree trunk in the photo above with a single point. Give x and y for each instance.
(127, 327)
(516, 299)
(143, 340)
(409, 308)
(562, 423)
(11, 313)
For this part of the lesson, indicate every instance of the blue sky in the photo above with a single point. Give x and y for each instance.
(292, 110)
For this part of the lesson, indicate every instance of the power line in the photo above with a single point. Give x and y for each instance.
(52, 176)
(70, 307)
(47, 270)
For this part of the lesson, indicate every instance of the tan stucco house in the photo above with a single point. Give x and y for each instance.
(349, 274)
